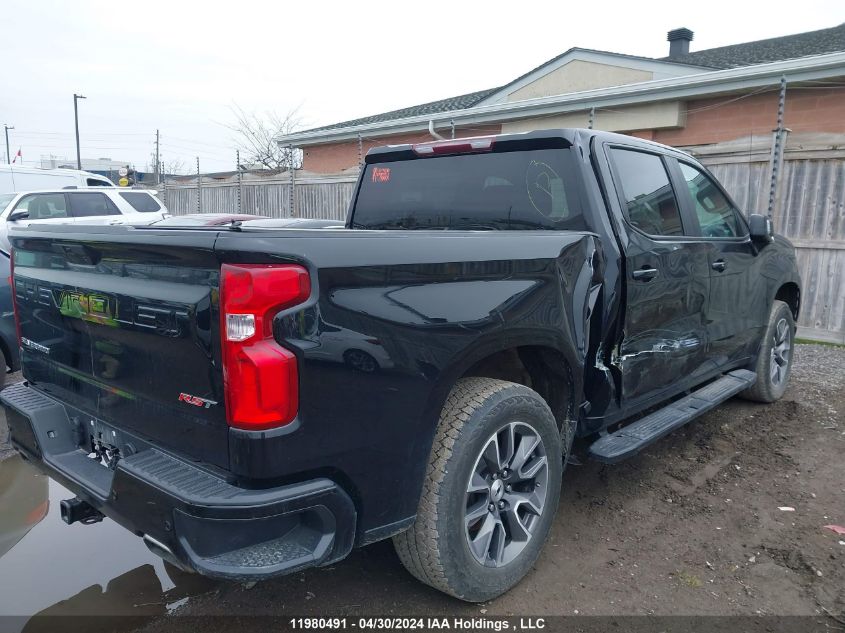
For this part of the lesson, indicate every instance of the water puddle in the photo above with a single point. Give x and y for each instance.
(50, 568)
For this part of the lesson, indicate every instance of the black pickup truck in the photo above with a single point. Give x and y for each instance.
(254, 401)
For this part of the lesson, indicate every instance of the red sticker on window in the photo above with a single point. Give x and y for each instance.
(381, 174)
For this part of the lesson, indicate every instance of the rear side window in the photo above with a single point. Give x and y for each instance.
(716, 215)
(648, 193)
(96, 182)
(85, 205)
(528, 189)
(43, 206)
(143, 202)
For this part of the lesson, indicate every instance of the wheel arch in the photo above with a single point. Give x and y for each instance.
(541, 368)
(542, 355)
(536, 361)
(790, 293)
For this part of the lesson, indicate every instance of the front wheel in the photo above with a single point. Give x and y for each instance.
(774, 362)
(490, 493)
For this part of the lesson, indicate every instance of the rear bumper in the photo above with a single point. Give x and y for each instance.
(195, 518)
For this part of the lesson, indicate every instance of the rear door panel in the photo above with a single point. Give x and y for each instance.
(665, 333)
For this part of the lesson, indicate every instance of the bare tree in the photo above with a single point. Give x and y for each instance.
(257, 138)
(173, 167)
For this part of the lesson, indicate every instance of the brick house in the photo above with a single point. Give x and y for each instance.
(693, 99)
(721, 105)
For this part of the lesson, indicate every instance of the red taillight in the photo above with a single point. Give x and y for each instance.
(14, 295)
(457, 146)
(260, 377)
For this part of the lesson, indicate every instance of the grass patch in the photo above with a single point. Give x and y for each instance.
(690, 580)
(807, 341)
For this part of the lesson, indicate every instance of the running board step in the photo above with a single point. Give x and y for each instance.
(631, 439)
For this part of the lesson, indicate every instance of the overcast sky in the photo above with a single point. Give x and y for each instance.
(180, 66)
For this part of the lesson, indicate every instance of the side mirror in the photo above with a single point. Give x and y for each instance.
(760, 227)
(14, 216)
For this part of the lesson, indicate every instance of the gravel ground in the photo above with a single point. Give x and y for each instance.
(691, 526)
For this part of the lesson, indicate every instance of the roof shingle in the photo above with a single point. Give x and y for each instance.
(774, 49)
(460, 102)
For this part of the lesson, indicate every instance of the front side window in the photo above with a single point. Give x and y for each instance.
(716, 215)
(43, 206)
(650, 199)
(84, 205)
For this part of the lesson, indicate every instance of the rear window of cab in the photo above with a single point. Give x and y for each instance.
(510, 190)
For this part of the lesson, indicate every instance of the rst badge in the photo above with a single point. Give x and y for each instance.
(196, 401)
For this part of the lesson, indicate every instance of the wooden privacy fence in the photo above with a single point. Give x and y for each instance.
(313, 197)
(810, 211)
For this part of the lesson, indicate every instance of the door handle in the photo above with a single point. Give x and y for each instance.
(644, 274)
(720, 265)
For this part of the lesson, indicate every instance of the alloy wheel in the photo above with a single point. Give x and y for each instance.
(781, 351)
(506, 494)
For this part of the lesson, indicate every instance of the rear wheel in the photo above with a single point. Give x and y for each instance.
(774, 362)
(490, 493)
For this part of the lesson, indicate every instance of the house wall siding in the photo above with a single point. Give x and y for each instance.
(667, 114)
(579, 75)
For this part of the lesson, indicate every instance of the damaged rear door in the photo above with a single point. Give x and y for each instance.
(667, 280)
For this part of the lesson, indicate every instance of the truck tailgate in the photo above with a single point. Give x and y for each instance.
(119, 329)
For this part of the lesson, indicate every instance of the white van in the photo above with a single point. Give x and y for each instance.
(14, 179)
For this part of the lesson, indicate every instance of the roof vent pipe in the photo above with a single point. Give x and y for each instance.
(679, 40)
(433, 132)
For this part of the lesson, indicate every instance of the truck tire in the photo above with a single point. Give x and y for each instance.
(774, 362)
(490, 493)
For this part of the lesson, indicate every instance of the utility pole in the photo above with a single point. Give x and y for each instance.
(592, 118)
(240, 178)
(76, 98)
(199, 185)
(452, 125)
(778, 141)
(158, 162)
(292, 181)
(8, 154)
(360, 153)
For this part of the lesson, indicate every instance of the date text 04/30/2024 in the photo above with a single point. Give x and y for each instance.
(426, 623)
